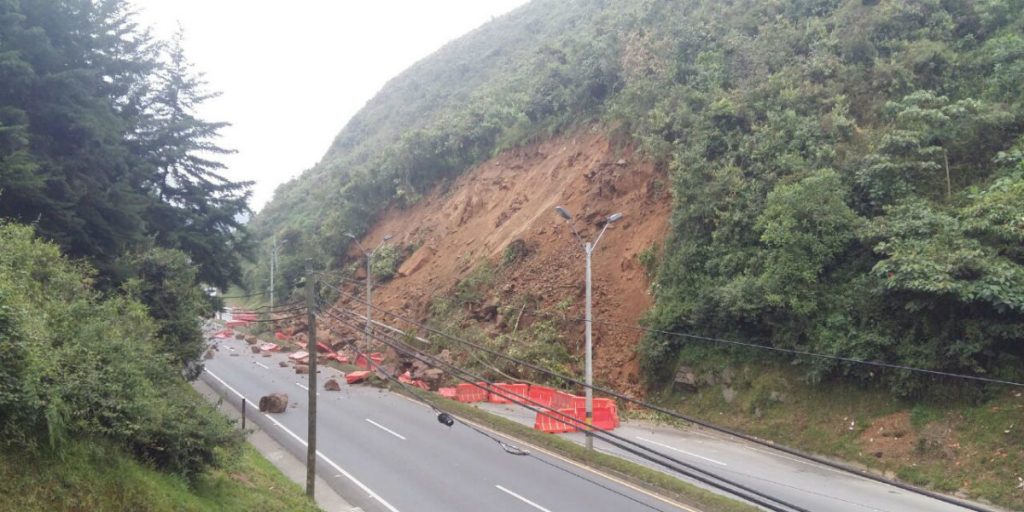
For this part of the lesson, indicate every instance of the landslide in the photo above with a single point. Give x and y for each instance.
(509, 201)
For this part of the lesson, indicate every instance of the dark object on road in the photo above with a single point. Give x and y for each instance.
(282, 364)
(255, 349)
(445, 419)
(332, 385)
(274, 402)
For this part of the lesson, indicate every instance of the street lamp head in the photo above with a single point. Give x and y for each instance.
(563, 212)
(387, 237)
(350, 235)
(614, 217)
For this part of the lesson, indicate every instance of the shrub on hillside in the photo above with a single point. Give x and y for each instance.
(74, 363)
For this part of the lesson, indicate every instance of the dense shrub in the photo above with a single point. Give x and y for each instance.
(75, 363)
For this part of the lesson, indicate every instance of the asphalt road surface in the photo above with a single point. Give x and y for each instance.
(801, 482)
(384, 452)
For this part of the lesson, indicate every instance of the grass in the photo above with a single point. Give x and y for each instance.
(96, 475)
(955, 445)
(653, 480)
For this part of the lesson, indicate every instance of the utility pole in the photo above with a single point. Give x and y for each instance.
(313, 354)
(273, 270)
(369, 282)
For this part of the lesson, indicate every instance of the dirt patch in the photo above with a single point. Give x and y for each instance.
(890, 437)
(510, 200)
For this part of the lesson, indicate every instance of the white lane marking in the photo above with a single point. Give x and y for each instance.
(388, 430)
(681, 451)
(318, 454)
(520, 498)
(265, 367)
(568, 461)
(301, 386)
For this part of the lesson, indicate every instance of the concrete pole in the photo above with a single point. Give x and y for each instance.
(313, 353)
(589, 361)
(273, 270)
(369, 294)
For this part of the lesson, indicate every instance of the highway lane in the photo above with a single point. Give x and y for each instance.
(384, 452)
(808, 484)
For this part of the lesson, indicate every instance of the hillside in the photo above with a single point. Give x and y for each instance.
(833, 165)
(491, 248)
(838, 181)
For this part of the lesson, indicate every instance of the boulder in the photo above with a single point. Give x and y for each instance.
(208, 354)
(332, 385)
(274, 402)
(251, 339)
(282, 364)
(239, 336)
(685, 379)
(302, 369)
(255, 349)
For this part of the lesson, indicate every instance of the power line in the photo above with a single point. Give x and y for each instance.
(812, 354)
(691, 471)
(690, 419)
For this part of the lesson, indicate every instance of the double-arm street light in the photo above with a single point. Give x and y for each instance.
(369, 279)
(588, 248)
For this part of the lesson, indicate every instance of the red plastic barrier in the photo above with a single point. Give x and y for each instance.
(606, 418)
(469, 393)
(270, 347)
(563, 400)
(420, 384)
(405, 378)
(244, 317)
(236, 323)
(341, 358)
(354, 377)
(517, 393)
(375, 357)
(542, 394)
(447, 392)
(224, 334)
(281, 336)
(301, 357)
(548, 421)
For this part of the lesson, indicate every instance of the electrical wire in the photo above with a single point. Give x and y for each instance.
(676, 415)
(809, 354)
(508, 448)
(691, 471)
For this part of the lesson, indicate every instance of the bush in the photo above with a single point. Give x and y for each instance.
(77, 364)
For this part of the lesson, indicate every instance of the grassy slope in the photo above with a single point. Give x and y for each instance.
(953, 446)
(100, 476)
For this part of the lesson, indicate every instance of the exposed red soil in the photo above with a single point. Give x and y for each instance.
(512, 197)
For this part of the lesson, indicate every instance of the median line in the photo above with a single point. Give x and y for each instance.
(388, 430)
(681, 451)
(303, 442)
(521, 498)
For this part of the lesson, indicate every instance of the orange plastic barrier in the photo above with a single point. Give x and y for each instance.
(469, 393)
(548, 421)
(375, 357)
(447, 392)
(606, 418)
(354, 377)
(509, 393)
(563, 400)
(341, 358)
(542, 394)
(236, 323)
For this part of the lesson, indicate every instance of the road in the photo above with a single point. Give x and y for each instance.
(384, 452)
(807, 484)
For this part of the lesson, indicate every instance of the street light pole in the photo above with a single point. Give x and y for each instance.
(369, 281)
(588, 365)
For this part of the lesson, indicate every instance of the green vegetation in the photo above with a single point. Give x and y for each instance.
(101, 476)
(949, 443)
(848, 176)
(80, 365)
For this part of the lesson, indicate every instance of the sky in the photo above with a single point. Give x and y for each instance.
(293, 73)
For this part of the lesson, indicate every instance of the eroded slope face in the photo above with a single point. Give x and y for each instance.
(510, 200)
